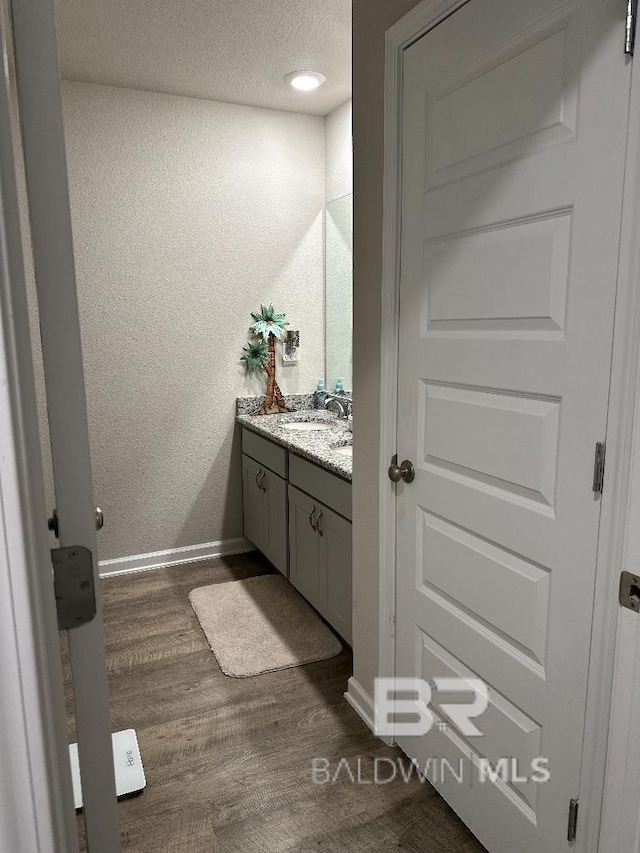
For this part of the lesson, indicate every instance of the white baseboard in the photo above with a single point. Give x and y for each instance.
(174, 557)
(360, 701)
(362, 704)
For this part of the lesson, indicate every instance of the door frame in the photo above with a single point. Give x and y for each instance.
(36, 813)
(39, 108)
(625, 379)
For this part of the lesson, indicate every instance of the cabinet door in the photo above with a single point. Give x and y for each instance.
(275, 519)
(334, 574)
(303, 545)
(252, 503)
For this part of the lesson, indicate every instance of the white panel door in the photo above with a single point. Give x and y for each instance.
(48, 204)
(514, 132)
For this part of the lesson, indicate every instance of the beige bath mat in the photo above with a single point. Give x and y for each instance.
(261, 625)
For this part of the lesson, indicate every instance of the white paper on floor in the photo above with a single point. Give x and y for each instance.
(127, 763)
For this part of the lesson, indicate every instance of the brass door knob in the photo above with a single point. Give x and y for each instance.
(405, 471)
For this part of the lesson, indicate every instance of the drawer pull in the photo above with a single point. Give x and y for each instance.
(312, 519)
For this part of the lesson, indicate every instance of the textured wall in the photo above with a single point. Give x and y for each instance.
(187, 214)
(371, 18)
(339, 153)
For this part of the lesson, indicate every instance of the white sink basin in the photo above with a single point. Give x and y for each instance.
(306, 426)
(345, 450)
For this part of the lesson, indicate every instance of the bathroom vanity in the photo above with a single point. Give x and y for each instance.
(296, 480)
(296, 467)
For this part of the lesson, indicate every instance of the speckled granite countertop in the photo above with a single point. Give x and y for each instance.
(319, 446)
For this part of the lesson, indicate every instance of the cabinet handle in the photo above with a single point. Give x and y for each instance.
(318, 525)
(311, 518)
(262, 486)
(258, 477)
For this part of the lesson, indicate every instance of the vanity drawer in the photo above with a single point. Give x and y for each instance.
(265, 452)
(328, 488)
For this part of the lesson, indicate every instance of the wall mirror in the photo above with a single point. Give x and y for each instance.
(339, 291)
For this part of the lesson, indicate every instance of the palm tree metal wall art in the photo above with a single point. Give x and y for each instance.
(260, 354)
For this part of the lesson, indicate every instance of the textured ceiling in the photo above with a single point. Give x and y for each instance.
(224, 50)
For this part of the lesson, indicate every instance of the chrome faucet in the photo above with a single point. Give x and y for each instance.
(339, 404)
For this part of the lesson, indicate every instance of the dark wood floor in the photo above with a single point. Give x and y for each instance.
(228, 761)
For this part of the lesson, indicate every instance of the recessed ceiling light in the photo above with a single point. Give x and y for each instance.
(305, 81)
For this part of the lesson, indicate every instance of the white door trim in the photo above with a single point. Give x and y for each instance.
(403, 33)
(621, 816)
(620, 829)
(42, 137)
(624, 382)
(36, 802)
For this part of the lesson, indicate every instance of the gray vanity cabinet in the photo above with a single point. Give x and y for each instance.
(299, 515)
(334, 575)
(320, 558)
(252, 501)
(264, 499)
(304, 554)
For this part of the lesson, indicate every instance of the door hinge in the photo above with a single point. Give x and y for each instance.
(630, 27)
(598, 467)
(74, 586)
(572, 826)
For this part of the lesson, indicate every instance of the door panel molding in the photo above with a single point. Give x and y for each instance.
(625, 379)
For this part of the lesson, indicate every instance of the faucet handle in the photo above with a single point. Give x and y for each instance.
(335, 404)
